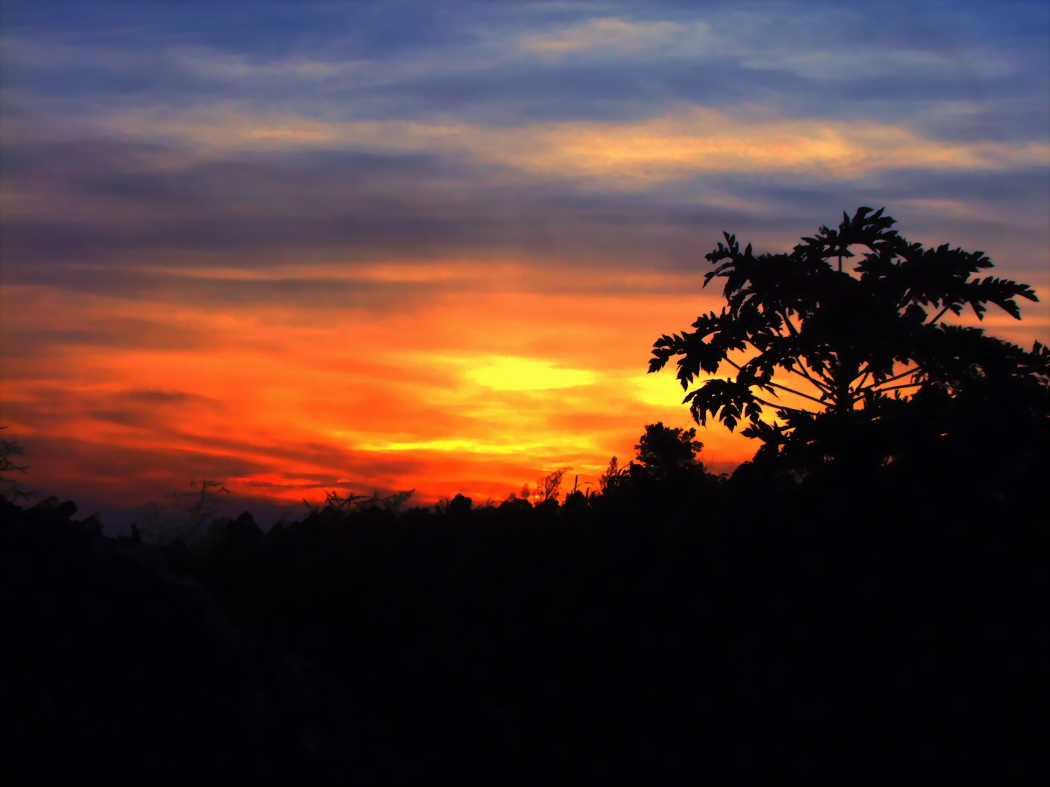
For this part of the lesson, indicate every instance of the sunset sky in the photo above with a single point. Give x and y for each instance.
(301, 247)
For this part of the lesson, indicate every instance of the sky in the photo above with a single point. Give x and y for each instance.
(355, 247)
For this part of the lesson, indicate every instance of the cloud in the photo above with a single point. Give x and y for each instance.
(618, 37)
(241, 68)
(853, 63)
(621, 155)
(116, 332)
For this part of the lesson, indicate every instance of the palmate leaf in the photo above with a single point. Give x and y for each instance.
(727, 400)
(872, 231)
(953, 355)
(770, 434)
(723, 335)
(1037, 362)
(787, 352)
(940, 278)
(1001, 292)
(697, 355)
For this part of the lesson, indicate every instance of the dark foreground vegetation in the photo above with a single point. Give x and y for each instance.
(865, 603)
(842, 629)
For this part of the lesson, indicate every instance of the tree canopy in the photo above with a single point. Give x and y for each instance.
(665, 452)
(859, 342)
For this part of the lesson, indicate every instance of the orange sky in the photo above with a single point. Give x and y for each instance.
(434, 252)
(474, 391)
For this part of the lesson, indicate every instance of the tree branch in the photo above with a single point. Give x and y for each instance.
(805, 374)
(891, 379)
(782, 407)
(934, 320)
(772, 384)
(895, 387)
(863, 372)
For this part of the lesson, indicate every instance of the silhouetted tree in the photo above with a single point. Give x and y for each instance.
(613, 474)
(859, 342)
(665, 452)
(548, 487)
(9, 488)
(192, 521)
(665, 470)
(459, 506)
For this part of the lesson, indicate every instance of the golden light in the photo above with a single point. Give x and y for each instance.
(507, 373)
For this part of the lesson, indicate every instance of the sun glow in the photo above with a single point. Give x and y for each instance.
(458, 393)
(504, 373)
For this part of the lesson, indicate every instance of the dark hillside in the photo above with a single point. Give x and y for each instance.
(663, 629)
(116, 672)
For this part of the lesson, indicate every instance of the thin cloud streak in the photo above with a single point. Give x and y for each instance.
(623, 155)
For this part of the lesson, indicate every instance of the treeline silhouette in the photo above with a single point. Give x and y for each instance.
(674, 624)
(855, 611)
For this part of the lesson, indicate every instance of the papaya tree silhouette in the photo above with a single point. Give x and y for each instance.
(858, 343)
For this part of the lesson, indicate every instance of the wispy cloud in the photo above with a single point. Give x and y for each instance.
(667, 147)
(619, 38)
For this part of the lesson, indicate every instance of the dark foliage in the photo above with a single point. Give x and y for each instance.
(9, 488)
(114, 672)
(858, 342)
(848, 631)
(668, 453)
